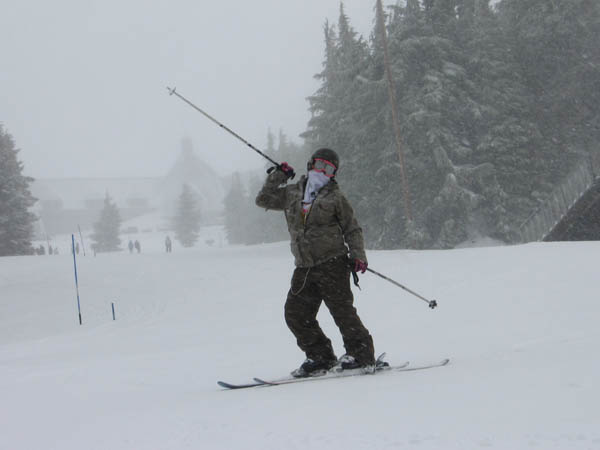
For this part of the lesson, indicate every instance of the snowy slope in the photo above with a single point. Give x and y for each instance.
(520, 324)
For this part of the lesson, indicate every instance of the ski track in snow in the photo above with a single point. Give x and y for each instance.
(520, 324)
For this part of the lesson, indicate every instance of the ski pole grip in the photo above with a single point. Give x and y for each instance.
(290, 175)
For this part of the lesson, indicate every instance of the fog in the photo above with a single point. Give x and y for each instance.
(83, 84)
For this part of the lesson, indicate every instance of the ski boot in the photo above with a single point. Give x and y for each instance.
(313, 368)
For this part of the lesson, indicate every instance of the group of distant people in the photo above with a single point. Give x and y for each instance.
(138, 247)
(41, 250)
(135, 245)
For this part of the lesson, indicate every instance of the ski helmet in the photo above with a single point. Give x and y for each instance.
(328, 155)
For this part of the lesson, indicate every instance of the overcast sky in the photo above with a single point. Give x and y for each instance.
(83, 83)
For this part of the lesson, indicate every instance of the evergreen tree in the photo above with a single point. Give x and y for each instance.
(270, 142)
(333, 107)
(433, 102)
(494, 105)
(347, 116)
(16, 221)
(186, 222)
(106, 230)
(372, 173)
(262, 226)
(556, 46)
(236, 204)
(503, 129)
(266, 226)
(295, 155)
(245, 223)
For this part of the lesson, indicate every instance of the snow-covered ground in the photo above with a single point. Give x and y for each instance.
(521, 324)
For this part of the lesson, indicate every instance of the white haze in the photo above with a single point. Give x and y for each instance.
(82, 85)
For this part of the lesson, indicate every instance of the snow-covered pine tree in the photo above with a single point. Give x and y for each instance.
(295, 155)
(186, 223)
(236, 203)
(434, 92)
(16, 221)
(507, 146)
(347, 117)
(333, 105)
(371, 174)
(106, 232)
(495, 105)
(556, 46)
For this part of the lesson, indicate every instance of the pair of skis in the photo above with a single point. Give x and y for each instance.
(379, 368)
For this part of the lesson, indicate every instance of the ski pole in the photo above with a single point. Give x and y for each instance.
(233, 133)
(76, 281)
(432, 303)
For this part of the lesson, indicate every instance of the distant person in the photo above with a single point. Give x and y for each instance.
(168, 244)
(130, 246)
(50, 250)
(137, 245)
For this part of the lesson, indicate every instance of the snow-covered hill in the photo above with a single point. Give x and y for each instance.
(520, 324)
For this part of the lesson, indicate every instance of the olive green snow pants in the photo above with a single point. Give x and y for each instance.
(330, 283)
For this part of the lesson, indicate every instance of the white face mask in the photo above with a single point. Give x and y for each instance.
(316, 180)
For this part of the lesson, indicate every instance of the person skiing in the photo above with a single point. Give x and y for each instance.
(168, 244)
(130, 246)
(327, 244)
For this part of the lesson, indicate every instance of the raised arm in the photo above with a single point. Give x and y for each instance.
(273, 193)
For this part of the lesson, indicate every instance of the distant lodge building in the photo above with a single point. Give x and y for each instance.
(68, 203)
(64, 204)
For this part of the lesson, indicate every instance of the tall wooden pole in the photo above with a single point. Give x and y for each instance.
(393, 104)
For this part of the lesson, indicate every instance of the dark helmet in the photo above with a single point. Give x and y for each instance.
(327, 154)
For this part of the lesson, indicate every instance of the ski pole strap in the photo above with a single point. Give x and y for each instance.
(355, 279)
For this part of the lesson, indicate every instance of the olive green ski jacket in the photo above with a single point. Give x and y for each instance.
(329, 229)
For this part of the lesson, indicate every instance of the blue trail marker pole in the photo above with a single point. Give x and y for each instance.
(113, 310)
(76, 282)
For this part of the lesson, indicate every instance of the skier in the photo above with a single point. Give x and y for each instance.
(168, 244)
(137, 246)
(130, 246)
(327, 244)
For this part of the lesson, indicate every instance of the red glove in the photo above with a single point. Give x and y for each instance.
(360, 266)
(287, 169)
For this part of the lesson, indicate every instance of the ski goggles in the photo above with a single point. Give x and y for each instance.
(324, 166)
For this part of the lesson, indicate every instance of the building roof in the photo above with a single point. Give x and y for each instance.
(75, 193)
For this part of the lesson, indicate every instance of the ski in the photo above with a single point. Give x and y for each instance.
(329, 375)
(379, 364)
(352, 373)
(225, 385)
